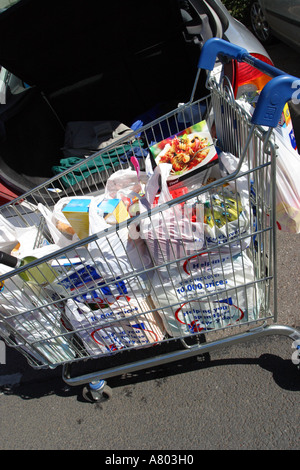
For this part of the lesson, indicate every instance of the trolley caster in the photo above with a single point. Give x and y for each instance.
(97, 392)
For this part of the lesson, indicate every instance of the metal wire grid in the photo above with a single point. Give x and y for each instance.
(46, 336)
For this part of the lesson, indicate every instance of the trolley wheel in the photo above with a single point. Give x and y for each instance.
(93, 395)
(107, 393)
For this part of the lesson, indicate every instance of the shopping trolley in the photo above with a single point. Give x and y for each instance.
(133, 295)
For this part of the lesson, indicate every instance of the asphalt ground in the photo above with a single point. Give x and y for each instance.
(242, 397)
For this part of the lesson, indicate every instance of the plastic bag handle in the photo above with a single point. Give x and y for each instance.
(275, 93)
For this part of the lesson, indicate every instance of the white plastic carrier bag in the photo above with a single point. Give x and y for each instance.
(59, 227)
(212, 291)
(171, 233)
(119, 252)
(16, 238)
(287, 178)
(125, 184)
(227, 209)
(36, 327)
(287, 186)
(86, 285)
(110, 257)
(126, 323)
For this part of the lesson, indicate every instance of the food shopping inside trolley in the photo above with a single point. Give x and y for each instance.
(164, 236)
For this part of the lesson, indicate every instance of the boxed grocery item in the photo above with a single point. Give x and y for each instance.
(77, 213)
(191, 150)
(113, 211)
(285, 127)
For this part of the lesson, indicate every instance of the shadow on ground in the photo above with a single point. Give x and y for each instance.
(44, 383)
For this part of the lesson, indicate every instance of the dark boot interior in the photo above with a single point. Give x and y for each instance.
(86, 61)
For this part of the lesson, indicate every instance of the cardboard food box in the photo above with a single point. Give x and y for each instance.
(191, 150)
(285, 127)
(113, 211)
(77, 214)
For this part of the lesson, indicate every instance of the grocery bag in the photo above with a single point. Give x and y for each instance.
(118, 252)
(214, 291)
(287, 178)
(128, 186)
(125, 183)
(287, 186)
(114, 254)
(36, 326)
(126, 323)
(16, 238)
(60, 229)
(171, 233)
(227, 209)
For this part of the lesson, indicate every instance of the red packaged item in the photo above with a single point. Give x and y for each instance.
(175, 193)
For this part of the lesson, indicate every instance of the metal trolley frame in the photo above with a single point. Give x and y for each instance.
(33, 315)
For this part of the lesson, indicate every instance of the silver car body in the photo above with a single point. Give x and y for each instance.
(238, 34)
(283, 19)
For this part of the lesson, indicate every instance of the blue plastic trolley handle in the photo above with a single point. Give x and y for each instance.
(275, 93)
